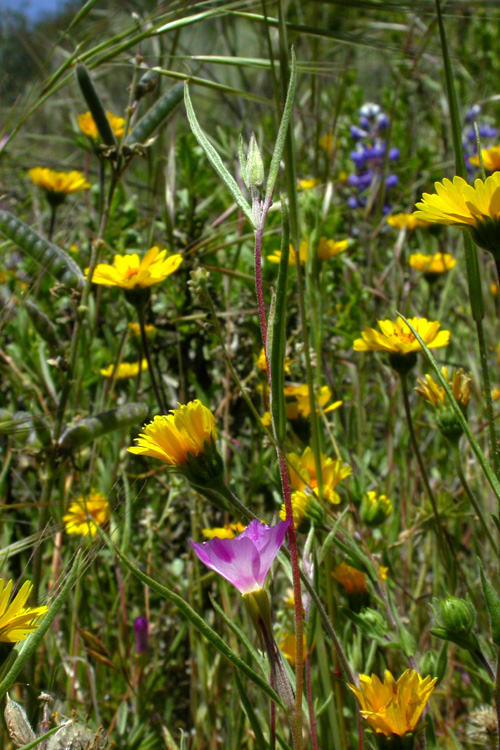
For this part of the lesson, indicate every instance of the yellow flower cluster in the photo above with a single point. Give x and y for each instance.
(390, 707)
(407, 221)
(228, 531)
(432, 264)
(303, 473)
(326, 249)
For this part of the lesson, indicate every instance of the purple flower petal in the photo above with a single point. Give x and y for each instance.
(245, 560)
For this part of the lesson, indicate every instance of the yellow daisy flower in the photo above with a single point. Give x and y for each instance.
(396, 338)
(407, 221)
(432, 264)
(86, 514)
(89, 128)
(490, 157)
(131, 271)
(262, 366)
(435, 393)
(16, 620)
(390, 707)
(476, 208)
(298, 404)
(58, 185)
(124, 370)
(329, 248)
(229, 531)
(304, 507)
(303, 250)
(303, 473)
(186, 432)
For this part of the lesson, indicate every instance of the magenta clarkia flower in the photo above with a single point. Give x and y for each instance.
(245, 560)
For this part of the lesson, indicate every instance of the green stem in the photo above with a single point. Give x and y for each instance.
(53, 212)
(147, 354)
(497, 695)
(440, 531)
(487, 392)
(470, 495)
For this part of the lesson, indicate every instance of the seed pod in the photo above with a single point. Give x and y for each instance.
(18, 426)
(54, 260)
(91, 428)
(18, 726)
(155, 116)
(45, 328)
(146, 83)
(75, 736)
(95, 105)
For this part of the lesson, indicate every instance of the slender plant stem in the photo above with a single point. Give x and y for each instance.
(487, 392)
(259, 233)
(497, 694)
(147, 354)
(440, 531)
(470, 495)
(312, 721)
(52, 225)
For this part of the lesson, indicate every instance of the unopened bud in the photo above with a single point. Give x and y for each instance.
(18, 726)
(455, 618)
(255, 165)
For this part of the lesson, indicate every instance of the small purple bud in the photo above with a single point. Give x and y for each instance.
(359, 158)
(382, 121)
(472, 113)
(365, 179)
(378, 151)
(394, 154)
(486, 131)
(352, 202)
(353, 180)
(391, 181)
(357, 133)
(386, 209)
(141, 633)
(365, 123)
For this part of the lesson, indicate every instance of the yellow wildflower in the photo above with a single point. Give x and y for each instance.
(261, 363)
(433, 264)
(392, 707)
(476, 208)
(288, 645)
(326, 142)
(304, 506)
(435, 394)
(275, 257)
(375, 508)
(298, 401)
(16, 620)
(329, 248)
(309, 184)
(58, 185)
(490, 157)
(89, 128)
(303, 473)
(407, 221)
(86, 514)
(352, 579)
(228, 531)
(398, 339)
(130, 271)
(494, 289)
(124, 370)
(495, 394)
(135, 330)
(173, 438)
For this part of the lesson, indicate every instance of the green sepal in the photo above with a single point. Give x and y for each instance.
(493, 604)
(469, 642)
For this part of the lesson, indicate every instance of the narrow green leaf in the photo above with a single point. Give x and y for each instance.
(215, 159)
(493, 603)
(199, 623)
(280, 140)
(260, 740)
(277, 335)
(488, 471)
(26, 649)
(237, 631)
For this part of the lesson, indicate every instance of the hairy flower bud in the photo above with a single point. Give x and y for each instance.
(254, 166)
(455, 619)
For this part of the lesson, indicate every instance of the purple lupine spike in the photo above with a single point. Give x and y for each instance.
(245, 560)
(141, 633)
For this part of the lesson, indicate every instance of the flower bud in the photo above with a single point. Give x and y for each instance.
(18, 726)
(375, 508)
(141, 633)
(255, 166)
(455, 618)
(449, 425)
